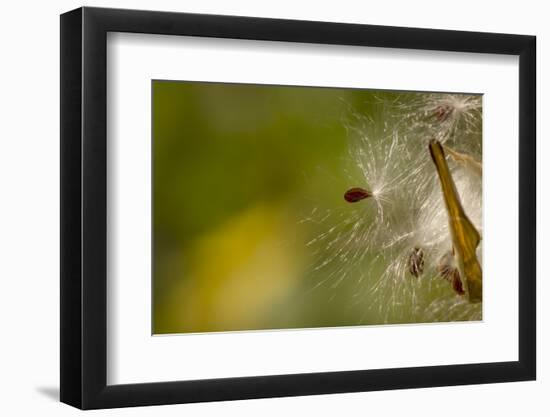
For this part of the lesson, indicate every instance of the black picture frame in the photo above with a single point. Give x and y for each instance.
(84, 207)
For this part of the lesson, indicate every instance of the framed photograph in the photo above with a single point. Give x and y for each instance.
(260, 208)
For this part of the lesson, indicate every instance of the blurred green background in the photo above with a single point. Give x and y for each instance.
(236, 169)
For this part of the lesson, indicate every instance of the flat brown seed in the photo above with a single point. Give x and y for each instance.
(416, 262)
(443, 112)
(450, 273)
(457, 283)
(356, 194)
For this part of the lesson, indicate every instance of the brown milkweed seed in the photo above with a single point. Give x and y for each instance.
(450, 273)
(443, 112)
(356, 194)
(416, 262)
(457, 283)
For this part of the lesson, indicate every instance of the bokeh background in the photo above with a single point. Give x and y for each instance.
(237, 168)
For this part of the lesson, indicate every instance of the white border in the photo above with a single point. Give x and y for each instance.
(134, 356)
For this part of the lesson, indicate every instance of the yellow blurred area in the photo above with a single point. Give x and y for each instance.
(235, 273)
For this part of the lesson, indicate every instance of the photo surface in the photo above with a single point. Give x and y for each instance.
(292, 207)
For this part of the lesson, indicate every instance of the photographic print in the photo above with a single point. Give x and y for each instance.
(288, 207)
